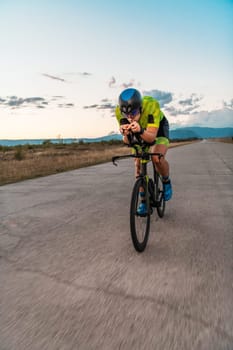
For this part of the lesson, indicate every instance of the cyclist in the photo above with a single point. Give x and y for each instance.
(147, 122)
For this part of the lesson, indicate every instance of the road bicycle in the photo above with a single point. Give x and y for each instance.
(151, 186)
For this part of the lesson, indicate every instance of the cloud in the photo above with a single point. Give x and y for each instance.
(85, 73)
(90, 106)
(191, 101)
(124, 85)
(186, 102)
(162, 96)
(53, 77)
(219, 118)
(127, 85)
(39, 102)
(174, 111)
(34, 99)
(228, 104)
(183, 106)
(65, 105)
(112, 82)
(14, 101)
(190, 104)
(106, 105)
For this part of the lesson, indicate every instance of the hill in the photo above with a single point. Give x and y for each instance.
(200, 133)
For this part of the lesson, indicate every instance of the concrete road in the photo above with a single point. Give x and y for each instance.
(71, 279)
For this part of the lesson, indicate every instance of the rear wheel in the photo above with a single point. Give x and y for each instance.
(139, 224)
(159, 196)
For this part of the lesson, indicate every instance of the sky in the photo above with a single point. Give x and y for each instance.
(64, 63)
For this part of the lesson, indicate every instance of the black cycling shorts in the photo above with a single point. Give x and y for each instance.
(163, 128)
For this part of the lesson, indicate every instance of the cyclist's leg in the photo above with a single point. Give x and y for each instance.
(161, 164)
(142, 209)
(137, 167)
(142, 203)
(162, 144)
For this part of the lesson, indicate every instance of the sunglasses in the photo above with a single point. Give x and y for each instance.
(133, 113)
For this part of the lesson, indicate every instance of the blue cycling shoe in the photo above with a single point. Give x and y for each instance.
(167, 188)
(142, 209)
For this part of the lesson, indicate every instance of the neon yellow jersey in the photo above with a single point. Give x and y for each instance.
(151, 114)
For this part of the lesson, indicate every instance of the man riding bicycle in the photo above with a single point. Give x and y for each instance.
(141, 117)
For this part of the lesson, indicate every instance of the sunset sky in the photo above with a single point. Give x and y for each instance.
(64, 63)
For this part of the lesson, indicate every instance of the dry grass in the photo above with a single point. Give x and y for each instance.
(45, 161)
(225, 140)
(21, 163)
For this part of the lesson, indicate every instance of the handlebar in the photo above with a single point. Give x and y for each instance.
(144, 155)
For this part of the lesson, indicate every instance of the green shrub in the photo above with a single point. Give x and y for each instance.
(19, 155)
(4, 148)
(47, 143)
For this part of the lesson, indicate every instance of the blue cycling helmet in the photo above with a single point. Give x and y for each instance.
(129, 100)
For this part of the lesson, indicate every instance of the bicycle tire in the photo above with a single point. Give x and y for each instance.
(139, 225)
(160, 196)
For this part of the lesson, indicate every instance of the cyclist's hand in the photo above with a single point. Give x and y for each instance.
(125, 129)
(135, 127)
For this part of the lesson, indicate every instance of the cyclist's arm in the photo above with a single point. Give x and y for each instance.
(125, 139)
(149, 134)
(123, 127)
(154, 116)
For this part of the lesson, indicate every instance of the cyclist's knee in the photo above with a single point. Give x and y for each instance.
(157, 160)
(162, 149)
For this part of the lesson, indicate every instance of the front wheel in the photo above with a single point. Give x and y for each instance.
(160, 196)
(139, 223)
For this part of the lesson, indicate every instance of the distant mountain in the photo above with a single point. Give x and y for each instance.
(102, 138)
(66, 141)
(177, 134)
(200, 133)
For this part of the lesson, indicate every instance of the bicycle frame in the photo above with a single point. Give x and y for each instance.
(144, 157)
